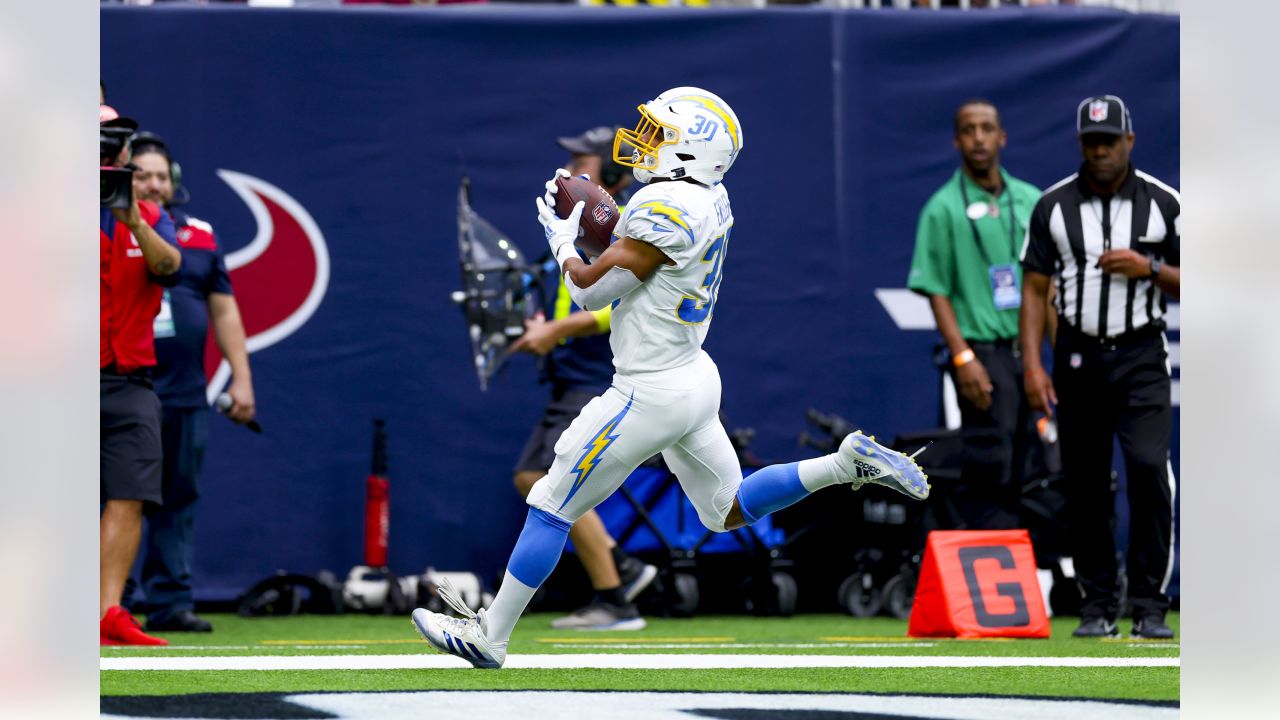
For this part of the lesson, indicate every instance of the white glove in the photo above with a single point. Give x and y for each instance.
(561, 234)
(549, 197)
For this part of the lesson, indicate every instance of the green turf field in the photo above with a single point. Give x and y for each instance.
(807, 635)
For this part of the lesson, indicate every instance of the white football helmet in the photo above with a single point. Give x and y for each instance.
(684, 132)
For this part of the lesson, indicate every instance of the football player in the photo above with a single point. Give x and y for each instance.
(662, 277)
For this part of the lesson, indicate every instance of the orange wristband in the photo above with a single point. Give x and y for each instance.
(964, 358)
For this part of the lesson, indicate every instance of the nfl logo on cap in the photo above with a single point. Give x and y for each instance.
(1103, 114)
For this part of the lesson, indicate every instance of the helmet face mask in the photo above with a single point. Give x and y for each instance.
(685, 132)
(639, 148)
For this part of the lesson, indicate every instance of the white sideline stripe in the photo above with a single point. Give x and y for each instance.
(613, 661)
(733, 646)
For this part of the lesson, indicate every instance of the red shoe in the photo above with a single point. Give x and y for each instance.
(119, 628)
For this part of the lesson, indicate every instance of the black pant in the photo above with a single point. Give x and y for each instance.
(995, 443)
(1120, 389)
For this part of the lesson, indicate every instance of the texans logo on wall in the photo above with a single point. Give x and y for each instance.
(280, 278)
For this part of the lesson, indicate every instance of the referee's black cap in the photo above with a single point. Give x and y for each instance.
(1103, 114)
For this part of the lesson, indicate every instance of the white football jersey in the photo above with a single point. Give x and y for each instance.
(661, 324)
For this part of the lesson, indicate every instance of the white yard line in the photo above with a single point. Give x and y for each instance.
(612, 661)
(733, 646)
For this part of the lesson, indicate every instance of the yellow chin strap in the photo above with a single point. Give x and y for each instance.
(641, 145)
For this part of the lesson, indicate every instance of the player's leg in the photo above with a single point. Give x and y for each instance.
(605, 443)
(603, 560)
(704, 461)
(609, 439)
(610, 608)
(707, 467)
(858, 461)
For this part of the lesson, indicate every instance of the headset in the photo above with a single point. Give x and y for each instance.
(143, 142)
(611, 171)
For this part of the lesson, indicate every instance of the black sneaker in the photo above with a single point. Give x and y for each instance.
(1096, 628)
(601, 616)
(1151, 628)
(181, 621)
(636, 576)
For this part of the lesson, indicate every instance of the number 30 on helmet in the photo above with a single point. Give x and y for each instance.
(685, 132)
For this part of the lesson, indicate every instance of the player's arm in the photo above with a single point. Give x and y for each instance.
(619, 270)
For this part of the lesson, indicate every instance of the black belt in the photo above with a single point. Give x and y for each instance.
(140, 375)
(1144, 334)
(999, 342)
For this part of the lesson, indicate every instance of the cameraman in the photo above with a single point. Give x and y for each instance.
(137, 255)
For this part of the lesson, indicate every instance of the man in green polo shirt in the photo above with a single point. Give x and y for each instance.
(966, 262)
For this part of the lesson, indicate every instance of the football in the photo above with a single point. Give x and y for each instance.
(599, 215)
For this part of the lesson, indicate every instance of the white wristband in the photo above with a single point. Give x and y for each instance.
(565, 251)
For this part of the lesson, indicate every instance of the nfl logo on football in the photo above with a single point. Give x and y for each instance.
(602, 212)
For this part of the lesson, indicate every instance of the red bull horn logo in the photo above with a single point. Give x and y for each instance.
(280, 278)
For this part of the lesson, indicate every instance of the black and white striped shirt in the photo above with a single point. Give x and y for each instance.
(1072, 226)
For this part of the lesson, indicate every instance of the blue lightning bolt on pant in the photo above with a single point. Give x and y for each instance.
(673, 412)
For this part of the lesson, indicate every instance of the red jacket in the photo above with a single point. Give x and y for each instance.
(128, 294)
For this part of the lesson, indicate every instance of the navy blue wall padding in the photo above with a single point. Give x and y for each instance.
(367, 117)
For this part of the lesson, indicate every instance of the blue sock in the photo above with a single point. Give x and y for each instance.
(769, 489)
(539, 547)
(536, 554)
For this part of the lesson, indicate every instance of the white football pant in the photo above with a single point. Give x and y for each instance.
(674, 412)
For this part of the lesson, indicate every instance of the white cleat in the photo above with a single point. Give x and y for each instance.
(867, 461)
(465, 637)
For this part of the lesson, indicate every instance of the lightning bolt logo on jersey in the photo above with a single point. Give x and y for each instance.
(662, 324)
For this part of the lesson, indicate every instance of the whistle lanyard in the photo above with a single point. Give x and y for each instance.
(977, 239)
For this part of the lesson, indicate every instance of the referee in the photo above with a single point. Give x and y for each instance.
(1109, 233)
